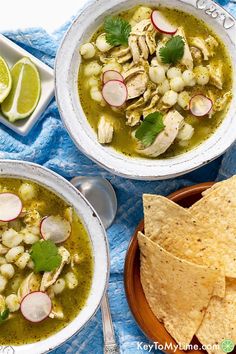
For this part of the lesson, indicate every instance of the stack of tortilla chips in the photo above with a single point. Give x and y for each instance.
(188, 265)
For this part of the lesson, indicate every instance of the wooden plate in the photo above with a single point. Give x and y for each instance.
(138, 304)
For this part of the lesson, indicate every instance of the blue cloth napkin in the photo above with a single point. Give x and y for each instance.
(49, 145)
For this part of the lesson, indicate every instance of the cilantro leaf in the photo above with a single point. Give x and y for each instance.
(173, 50)
(117, 31)
(4, 315)
(150, 127)
(45, 256)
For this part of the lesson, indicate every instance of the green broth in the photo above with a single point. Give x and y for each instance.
(204, 127)
(17, 330)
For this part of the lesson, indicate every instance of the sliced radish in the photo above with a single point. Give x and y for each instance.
(161, 23)
(111, 75)
(36, 306)
(10, 206)
(55, 228)
(115, 93)
(200, 105)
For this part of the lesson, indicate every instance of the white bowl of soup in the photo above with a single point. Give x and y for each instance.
(54, 261)
(146, 88)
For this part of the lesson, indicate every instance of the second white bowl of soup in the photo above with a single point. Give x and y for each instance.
(53, 259)
(147, 89)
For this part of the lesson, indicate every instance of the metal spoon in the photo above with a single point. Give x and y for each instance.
(101, 195)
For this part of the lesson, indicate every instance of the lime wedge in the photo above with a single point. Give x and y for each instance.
(5, 80)
(25, 92)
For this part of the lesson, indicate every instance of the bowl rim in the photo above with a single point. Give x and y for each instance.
(133, 252)
(34, 172)
(73, 116)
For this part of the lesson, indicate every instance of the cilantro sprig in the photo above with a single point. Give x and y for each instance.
(45, 256)
(117, 31)
(4, 315)
(173, 50)
(150, 127)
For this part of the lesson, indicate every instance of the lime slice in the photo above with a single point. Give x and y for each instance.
(25, 93)
(5, 80)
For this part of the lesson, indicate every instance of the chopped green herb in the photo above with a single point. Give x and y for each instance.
(4, 315)
(173, 50)
(150, 127)
(117, 31)
(45, 256)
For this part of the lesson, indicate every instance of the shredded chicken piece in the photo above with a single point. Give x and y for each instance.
(76, 260)
(49, 278)
(68, 214)
(151, 106)
(151, 89)
(125, 58)
(136, 109)
(206, 46)
(29, 284)
(57, 311)
(137, 85)
(216, 73)
(133, 117)
(134, 112)
(103, 58)
(105, 131)
(133, 72)
(151, 39)
(220, 103)
(142, 40)
(137, 104)
(140, 14)
(136, 80)
(172, 121)
(32, 217)
(196, 55)
(212, 44)
(143, 47)
(122, 55)
(147, 94)
(200, 43)
(187, 59)
(134, 48)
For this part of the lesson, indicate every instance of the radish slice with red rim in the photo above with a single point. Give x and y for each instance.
(115, 93)
(36, 306)
(55, 228)
(10, 206)
(111, 75)
(200, 105)
(161, 23)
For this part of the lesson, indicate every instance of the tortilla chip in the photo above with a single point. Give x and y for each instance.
(154, 216)
(219, 322)
(217, 211)
(219, 184)
(178, 292)
(209, 190)
(174, 229)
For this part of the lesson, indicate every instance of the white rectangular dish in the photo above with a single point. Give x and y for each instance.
(11, 52)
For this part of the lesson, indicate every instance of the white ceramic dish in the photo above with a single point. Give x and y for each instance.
(67, 64)
(95, 229)
(11, 52)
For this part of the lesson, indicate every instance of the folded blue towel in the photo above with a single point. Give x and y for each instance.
(49, 145)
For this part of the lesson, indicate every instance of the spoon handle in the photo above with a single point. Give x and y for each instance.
(110, 345)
